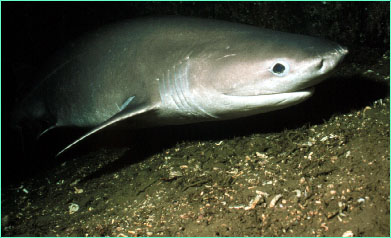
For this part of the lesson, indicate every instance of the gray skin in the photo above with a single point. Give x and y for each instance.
(173, 70)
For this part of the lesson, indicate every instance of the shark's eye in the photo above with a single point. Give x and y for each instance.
(280, 68)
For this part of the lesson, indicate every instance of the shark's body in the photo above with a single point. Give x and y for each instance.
(173, 70)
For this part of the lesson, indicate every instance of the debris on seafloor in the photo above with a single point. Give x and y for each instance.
(73, 207)
(253, 202)
(348, 234)
(274, 201)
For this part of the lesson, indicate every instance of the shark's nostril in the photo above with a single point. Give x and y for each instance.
(320, 64)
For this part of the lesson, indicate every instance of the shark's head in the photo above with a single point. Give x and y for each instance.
(257, 73)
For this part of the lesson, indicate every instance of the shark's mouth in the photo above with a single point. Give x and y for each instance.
(294, 96)
(305, 90)
(247, 91)
(234, 106)
(310, 90)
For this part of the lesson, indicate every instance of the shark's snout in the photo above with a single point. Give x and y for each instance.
(331, 59)
(343, 50)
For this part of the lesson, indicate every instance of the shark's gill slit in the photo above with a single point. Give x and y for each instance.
(177, 88)
(171, 92)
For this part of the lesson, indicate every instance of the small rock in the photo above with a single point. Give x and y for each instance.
(175, 174)
(348, 234)
(73, 207)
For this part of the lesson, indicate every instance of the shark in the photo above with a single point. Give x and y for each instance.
(175, 70)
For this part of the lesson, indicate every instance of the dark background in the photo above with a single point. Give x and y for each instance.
(33, 31)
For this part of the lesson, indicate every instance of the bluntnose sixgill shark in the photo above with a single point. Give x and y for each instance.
(176, 70)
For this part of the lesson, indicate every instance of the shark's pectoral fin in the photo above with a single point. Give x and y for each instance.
(122, 115)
